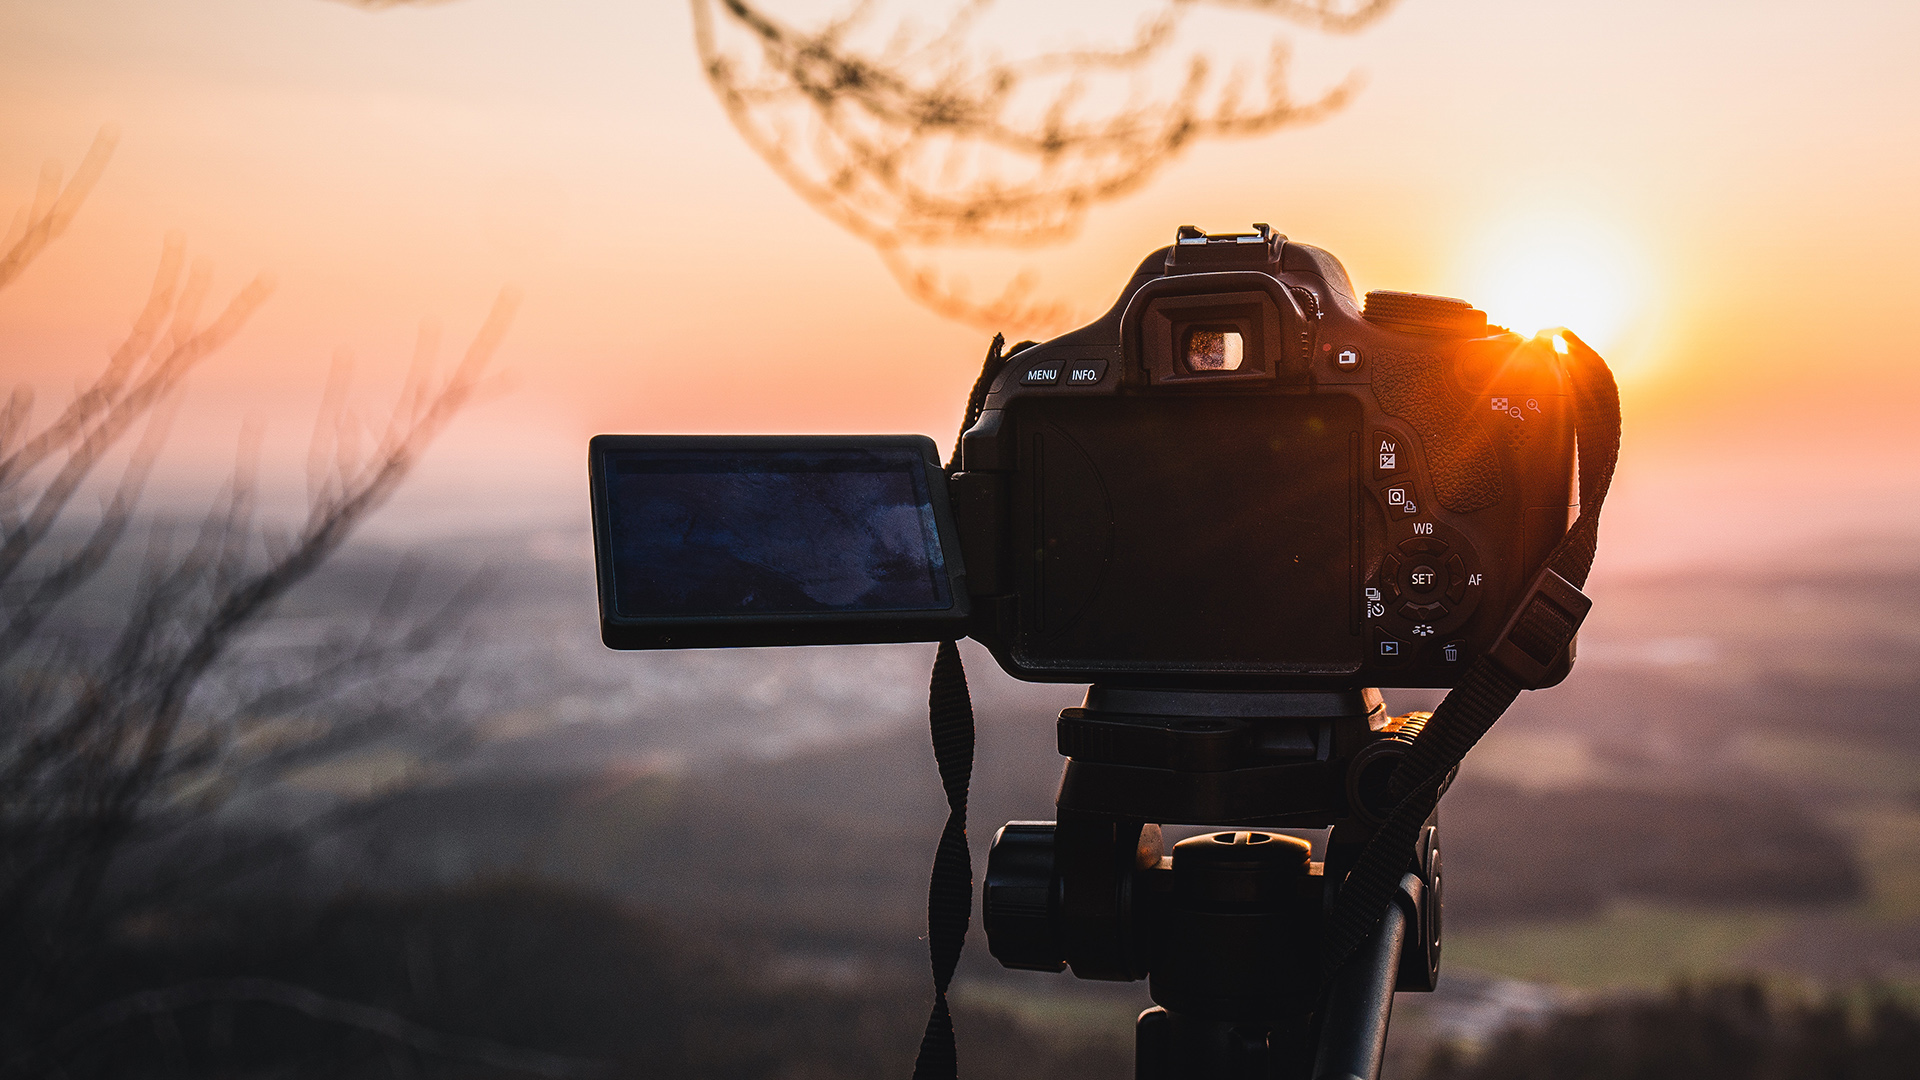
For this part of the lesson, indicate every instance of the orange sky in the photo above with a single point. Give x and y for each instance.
(1736, 179)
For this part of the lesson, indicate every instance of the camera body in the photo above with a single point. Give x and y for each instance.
(1239, 478)
(1242, 477)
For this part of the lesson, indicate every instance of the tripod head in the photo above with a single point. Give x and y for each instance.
(1226, 927)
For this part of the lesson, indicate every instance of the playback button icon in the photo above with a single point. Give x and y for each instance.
(1389, 651)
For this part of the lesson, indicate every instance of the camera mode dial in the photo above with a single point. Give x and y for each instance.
(1420, 313)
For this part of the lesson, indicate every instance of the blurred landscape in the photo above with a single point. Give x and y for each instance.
(410, 819)
(1728, 787)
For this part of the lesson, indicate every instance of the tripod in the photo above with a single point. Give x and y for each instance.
(1225, 928)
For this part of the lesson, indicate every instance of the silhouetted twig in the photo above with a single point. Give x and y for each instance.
(927, 140)
(54, 206)
(916, 141)
(112, 737)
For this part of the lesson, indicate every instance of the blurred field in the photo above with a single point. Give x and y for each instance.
(1629, 945)
(1729, 785)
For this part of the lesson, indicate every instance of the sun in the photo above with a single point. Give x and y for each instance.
(1544, 271)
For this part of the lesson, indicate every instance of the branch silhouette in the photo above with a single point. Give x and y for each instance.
(917, 141)
(132, 704)
(927, 141)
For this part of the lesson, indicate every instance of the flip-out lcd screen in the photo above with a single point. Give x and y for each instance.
(812, 539)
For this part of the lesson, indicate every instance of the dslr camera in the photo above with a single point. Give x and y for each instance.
(1241, 477)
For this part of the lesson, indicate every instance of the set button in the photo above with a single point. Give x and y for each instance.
(1430, 578)
(1423, 579)
(1421, 588)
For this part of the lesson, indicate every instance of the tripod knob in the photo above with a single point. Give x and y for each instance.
(1239, 871)
(1021, 898)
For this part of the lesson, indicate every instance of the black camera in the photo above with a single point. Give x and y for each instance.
(1239, 477)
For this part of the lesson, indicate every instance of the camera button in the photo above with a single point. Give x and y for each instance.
(1389, 652)
(1424, 580)
(1389, 454)
(1453, 652)
(1423, 545)
(1046, 374)
(1423, 613)
(1347, 359)
(1456, 579)
(1390, 576)
(1085, 372)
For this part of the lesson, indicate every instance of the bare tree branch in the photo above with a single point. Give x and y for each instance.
(78, 566)
(927, 141)
(1333, 16)
(55, 206)
(112, 741)
(1013, 308)
(925, 144)
(917, 142)
(102, 415)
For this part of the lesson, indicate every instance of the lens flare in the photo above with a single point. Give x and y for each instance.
(1542, 272)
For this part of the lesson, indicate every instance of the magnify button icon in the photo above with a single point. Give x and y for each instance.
(1534, 404)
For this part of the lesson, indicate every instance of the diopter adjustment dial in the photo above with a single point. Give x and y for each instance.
(1420, 313)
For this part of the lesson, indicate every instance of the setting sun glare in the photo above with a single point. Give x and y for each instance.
(1534, 274)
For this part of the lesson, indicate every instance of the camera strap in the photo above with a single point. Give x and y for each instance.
(1541, 627)
(950, 720)
(950, 892)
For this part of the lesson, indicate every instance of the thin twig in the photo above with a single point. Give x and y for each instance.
(923, 144)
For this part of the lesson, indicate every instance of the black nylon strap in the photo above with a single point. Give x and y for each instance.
(950, 893)
(950, 720)
(982, 386)
(1487, 689)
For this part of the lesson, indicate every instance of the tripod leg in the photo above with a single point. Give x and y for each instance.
(1153, 1045)
(1353, 1034)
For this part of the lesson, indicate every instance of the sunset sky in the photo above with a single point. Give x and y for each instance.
(1724, 196)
